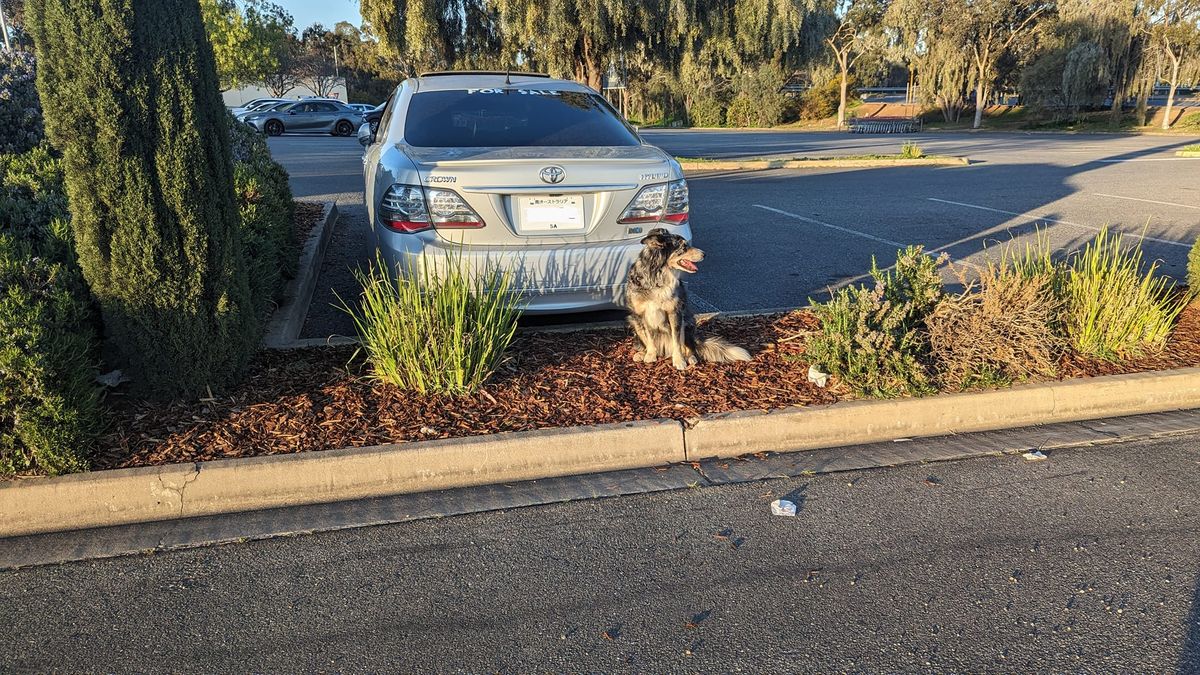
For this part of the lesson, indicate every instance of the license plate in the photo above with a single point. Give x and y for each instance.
(548, 215)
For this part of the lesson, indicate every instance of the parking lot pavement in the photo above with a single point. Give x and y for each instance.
(776, 238)
(1088, 561)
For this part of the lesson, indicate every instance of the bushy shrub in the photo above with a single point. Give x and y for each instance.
(48, 397)
(707, 112)
(20, 111)
(33, 201)
(1001, 329)
(267, 212)
(821, 101)
(1116, 307)
(758, 101)
(874, 339)
(131, 97)
(442, 331)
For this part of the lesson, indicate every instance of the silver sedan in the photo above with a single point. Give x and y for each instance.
(306, 116)
(540, 175)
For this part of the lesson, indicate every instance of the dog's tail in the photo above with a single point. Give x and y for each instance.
(717, 350)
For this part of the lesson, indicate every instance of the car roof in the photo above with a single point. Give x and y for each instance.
(482, 80)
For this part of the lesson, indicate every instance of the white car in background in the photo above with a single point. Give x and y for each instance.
(537, 174)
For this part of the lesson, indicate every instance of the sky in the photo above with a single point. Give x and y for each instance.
(327, 12)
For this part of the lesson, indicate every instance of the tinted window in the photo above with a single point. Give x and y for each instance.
(325, 107)
(484, 118)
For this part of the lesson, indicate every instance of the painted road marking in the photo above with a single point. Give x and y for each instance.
(1051, 220)
(1148, 201)
(1147, 159)
(847, 230)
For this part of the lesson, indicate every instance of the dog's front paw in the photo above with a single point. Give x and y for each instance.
(649, 357)
(638, 357)
(692, 360)
(679, 362)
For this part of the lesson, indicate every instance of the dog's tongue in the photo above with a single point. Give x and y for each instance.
(688, 265)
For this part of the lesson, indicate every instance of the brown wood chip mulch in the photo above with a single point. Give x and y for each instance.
(308, 214)
(299, 401)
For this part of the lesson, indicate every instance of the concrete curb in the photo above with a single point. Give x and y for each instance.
(820, 163)
(124, 496)
(145, 494)
(1187, 153)
(288, 319)
(857, 422)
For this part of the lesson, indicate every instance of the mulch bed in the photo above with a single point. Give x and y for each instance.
(318, 399)
(308, 214)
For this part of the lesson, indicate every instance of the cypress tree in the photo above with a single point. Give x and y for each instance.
(130, 93)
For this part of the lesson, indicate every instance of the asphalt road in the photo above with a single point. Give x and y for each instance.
(1088, 561)
(777, 238)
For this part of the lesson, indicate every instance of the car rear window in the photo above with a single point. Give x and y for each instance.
(490, 118)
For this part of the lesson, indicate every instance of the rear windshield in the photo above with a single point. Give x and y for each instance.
(490, 118)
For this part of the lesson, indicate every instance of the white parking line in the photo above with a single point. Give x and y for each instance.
(1148, 201)
(1148, 159)
(1051, 220)
(847, 230)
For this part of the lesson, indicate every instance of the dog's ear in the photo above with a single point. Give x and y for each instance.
(656, 238)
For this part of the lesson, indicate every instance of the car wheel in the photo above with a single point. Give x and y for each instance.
(343, 128)
(274, 128)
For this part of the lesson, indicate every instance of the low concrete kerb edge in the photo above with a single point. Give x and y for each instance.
(288, 319)
(124, 496)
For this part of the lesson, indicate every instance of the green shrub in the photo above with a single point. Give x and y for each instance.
(707, 112)
(910, 150)
(49, 402)
(874, 339)
(20, 110)
(758, 101)
(130, 92)
(33, 202)
(821, 102)
(443, 331)
(267, 211)
(1114, 309)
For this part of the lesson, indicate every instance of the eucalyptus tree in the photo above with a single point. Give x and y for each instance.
(1175, 32)
(858, 32)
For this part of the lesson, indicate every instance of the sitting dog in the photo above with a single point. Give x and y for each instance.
(658, 305)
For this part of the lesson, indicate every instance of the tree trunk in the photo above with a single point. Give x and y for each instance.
(1171, 94)
(842, 101)
(980, 103)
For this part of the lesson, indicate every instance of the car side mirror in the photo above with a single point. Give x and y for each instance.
(291, 112)
(365, 137)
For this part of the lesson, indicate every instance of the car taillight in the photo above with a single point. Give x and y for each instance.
(449, 210)
(410, 208)
(403, 209)
(664, 202)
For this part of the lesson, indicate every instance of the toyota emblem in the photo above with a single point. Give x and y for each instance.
(553, 175)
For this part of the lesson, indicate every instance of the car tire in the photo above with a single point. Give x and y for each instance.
(343, 128)
(274, 128)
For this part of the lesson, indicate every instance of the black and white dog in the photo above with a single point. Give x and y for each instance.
(658, 305)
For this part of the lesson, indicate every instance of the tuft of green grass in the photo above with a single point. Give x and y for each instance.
(1114, 309)
(1195, 147)
(910, 150)
(442, 331)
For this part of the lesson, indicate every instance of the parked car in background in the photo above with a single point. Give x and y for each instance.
(539, 175)
(306, 116)
(262, 108)
(362, 108)
(371, 117)
(257, 104)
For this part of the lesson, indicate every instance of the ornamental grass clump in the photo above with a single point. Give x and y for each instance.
(873, 338)
(442, 331)
(910, 150)
(1115, 310)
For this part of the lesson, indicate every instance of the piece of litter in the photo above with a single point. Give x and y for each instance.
(783, 507)
(818, 376)
(112, 379)
(1034, 456)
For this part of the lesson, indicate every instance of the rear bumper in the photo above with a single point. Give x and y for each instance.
(550, 279)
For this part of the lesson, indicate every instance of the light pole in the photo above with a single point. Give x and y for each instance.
(4, 29)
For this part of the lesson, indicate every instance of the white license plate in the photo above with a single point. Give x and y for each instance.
(547, 215)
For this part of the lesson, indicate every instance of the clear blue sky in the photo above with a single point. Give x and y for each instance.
(327, 12)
